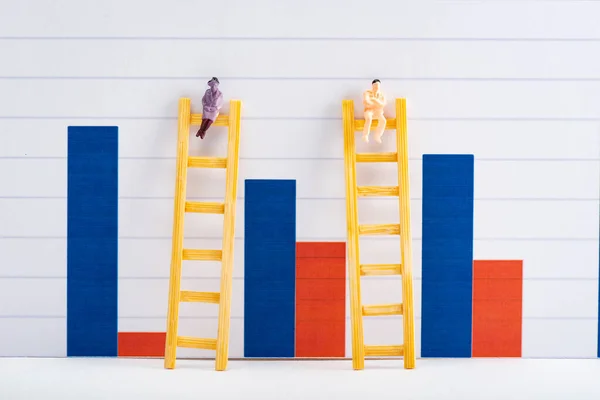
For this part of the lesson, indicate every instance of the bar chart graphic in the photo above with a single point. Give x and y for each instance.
(447, 255)
(92, 240)
(294, 291)
(92, 250)
(497, 308)
(320, 299)
(269, 265)
(470, 308)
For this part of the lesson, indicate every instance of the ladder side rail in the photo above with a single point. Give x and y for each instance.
(183, 129)
(358, 348)
(233, 148)
(405, 234)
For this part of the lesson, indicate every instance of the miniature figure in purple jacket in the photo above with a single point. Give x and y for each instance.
(212, 101)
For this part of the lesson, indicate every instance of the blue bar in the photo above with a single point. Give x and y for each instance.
(447, 255)
(92, 241)
(269, 268)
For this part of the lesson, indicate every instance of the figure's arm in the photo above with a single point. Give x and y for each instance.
(205, 100)
(367, 99)
(379, 102)
(219, 101)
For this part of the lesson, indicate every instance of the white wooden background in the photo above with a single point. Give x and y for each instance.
(516, 83)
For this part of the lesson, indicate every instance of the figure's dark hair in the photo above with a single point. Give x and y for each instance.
(214, 78)
(375, 80)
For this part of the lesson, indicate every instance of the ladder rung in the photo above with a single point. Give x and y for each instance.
(382, 309)
(196, 343)
(207, 162)
(202, 255)
(204, 207)
(374, 351)
(359, 124)
(200, 297)
(379, 229)
(380, 269)
(367, 191)
(222, 120)
(376, 157)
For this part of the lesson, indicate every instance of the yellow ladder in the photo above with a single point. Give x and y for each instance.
(223, 297)
(357, 270)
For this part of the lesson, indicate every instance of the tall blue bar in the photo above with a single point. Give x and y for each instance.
(447, 255)
(269, 268)
(92, 240)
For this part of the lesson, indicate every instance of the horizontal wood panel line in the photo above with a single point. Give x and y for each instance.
(162, 317)
(307, 78)
(515, 199)
(325, 238)
(33, 316)
(479, 160)
(241, 278)
(314, 118)
(561, 199)
(310, 39)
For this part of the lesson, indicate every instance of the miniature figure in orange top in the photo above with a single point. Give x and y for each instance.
(212, 101)
(374, 101)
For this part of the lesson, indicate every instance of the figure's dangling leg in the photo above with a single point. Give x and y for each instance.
(381, 121)
(201, 129)
(367, 128)
(206, 123)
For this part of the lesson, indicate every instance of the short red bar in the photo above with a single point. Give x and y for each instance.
(321, 250)
(142, 344)
(497, 308)
(320, 299)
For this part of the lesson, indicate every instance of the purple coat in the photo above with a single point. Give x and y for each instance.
(212, 101)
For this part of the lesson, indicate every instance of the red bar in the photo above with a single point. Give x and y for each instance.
(320, 268)
(142, 344)
(497, 308)
(321, 250)
(320, 299)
